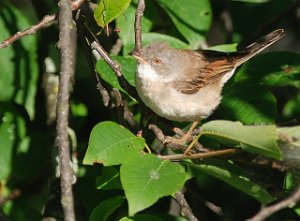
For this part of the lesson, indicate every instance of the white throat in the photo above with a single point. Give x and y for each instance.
(145, 71)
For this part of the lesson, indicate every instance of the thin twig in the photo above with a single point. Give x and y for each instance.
(13, 195)
(66, 73)
(162, 138)
(138, 25)
(46, 21)
(184, 206)
(216, 153)
(269, 210)
(95, 46)
(197, 145)
(83, 33)
(76, 4)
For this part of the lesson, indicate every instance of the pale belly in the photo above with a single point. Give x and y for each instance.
(166, 102)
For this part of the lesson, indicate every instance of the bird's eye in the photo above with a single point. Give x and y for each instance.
(156, 61)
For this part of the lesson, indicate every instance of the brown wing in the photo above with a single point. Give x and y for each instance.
(210, 67)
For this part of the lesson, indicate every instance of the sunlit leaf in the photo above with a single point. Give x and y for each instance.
(112, 144)
(146, 178)
(107, 10)
(260, 139)
(128, 68)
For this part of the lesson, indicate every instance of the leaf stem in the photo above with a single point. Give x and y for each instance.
(216, 153)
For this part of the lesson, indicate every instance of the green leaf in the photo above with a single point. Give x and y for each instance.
(192, 18)
(142, 217)
(112, 144)
(110, 179)
(106, 208)
(271, 69)
(126, 219)
(234, 176)
(146, 178)
(248, 104)
(291, 108)
(13, 138)
(224, 48)
(290, 181)
(160, 217)
(156, 37)
(19, 68)
(126, 24)
(260, 139)
(128, 67)
(107, 10)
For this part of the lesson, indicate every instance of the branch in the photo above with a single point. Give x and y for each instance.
(13, 195)
(66, 27)
(45, 22)
(184, 206)
(216, 153)
(138, 26)
(269, 210)
(96, 47)
(162, 138)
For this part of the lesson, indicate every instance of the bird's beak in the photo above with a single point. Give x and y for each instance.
(138, 56)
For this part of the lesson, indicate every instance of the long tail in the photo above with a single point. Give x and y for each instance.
(258, 46)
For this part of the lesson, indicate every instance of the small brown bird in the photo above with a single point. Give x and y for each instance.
(186, 85)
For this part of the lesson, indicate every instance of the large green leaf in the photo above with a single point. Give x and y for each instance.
(192, 18)
(108, 10)
(234, 176)
(146, 178)
(106, 208)
(19, 69)
(128, 67)
(13, 138)
(260, 139)
(112, 144)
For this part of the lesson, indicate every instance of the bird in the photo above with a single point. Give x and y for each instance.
(186, 85)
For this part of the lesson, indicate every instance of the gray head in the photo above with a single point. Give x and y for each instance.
(162, 58)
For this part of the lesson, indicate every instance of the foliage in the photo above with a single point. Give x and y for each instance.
(117, 176)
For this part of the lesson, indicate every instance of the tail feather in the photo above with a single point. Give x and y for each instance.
(258, 46)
